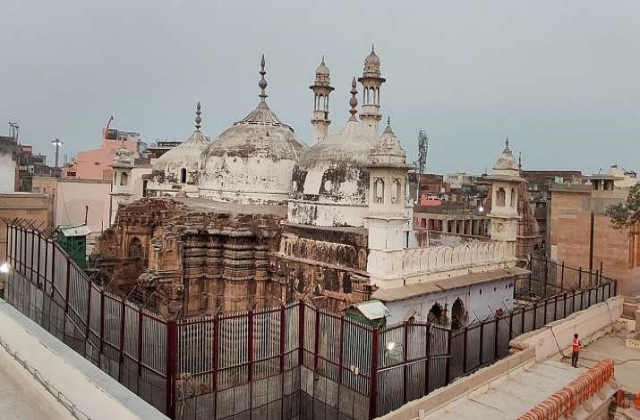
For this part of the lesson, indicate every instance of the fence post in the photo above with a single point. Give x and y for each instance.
(428, 361)
(340, 356)
(301, 332)
(101, 328)
(171, 368)
(121, 344)
(555, 308)
(282, 338)
(449, 355)
(404, 368)
(580, 278)
(140, 343)
(524, 310)
(535, 315)
(53, 265)
(562, 278)
(33, 241)
(495, 349)
(88, 320)
(464, 353)
(530, 274)
(316, 344)
(481, 342)
(38, 265)
(373, 387)
(511, 326)
(546, 275)
(66, 293)
(250, 349)
(216, 350)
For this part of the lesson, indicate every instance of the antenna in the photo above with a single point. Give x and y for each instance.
(57, 143)
(423, 149)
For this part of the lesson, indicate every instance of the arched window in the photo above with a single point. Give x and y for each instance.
(513, 197)
(183, 176)
(124, 178)
(396, 191)
(501, 197)
(378, 189)
(458, 315)
(436, 314)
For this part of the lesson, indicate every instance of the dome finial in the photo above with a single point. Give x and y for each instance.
(353, 102)
(506, 142)
(322, 62)
(373, 48)
(198, 119)
(263, 83)
(388, 121)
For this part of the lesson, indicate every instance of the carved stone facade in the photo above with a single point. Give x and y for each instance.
(192, 258)
(327, 266)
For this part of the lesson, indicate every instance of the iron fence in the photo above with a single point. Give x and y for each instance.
(292, 362)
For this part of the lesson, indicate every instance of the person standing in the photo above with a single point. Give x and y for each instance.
(575, 350)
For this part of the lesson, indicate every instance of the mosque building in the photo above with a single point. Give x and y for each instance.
(255, 218)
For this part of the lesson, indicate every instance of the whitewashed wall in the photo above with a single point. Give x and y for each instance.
(7, 173)
(414, 265)
(480, 300)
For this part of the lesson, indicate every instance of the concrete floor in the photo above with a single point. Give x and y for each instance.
(627, 360)
(24, 398)
(513, 393)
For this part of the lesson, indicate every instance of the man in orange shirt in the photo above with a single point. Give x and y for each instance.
(575, 350)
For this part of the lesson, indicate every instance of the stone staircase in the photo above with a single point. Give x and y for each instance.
(630, 307)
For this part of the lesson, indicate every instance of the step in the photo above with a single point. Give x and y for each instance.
(632, 299)
(629, 310)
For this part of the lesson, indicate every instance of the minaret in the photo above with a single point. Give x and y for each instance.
(321, 91)
(387, 219)
(505, 179)
(371, 82)
(122, 184)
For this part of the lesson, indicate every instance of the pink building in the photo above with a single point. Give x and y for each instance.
(95, 163)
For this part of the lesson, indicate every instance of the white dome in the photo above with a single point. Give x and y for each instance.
(251, 161)
(187, 155)
(337, 167)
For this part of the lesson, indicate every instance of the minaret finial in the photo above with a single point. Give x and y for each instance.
(520, 160)
(198, 119)
(388, 120)
(353, 102)
(263, 82)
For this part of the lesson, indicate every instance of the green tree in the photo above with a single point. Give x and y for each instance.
(627, 214)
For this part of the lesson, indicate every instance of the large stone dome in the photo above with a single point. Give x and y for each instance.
(251, 161)
(331, 180)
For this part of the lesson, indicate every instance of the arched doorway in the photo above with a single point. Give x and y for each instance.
(458, 315)
(436, 314)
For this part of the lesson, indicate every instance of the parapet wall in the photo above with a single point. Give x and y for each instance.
(91, 391)
(414, 265)
(556, 337)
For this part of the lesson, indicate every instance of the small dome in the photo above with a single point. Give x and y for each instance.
(322, 69)
(372, 64)
(506, 161)
(388, 150)
(186, 155)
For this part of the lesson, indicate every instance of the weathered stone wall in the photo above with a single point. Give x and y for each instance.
(191, 261)
(323, 265)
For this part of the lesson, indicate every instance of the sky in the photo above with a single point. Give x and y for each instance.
(561, 79)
